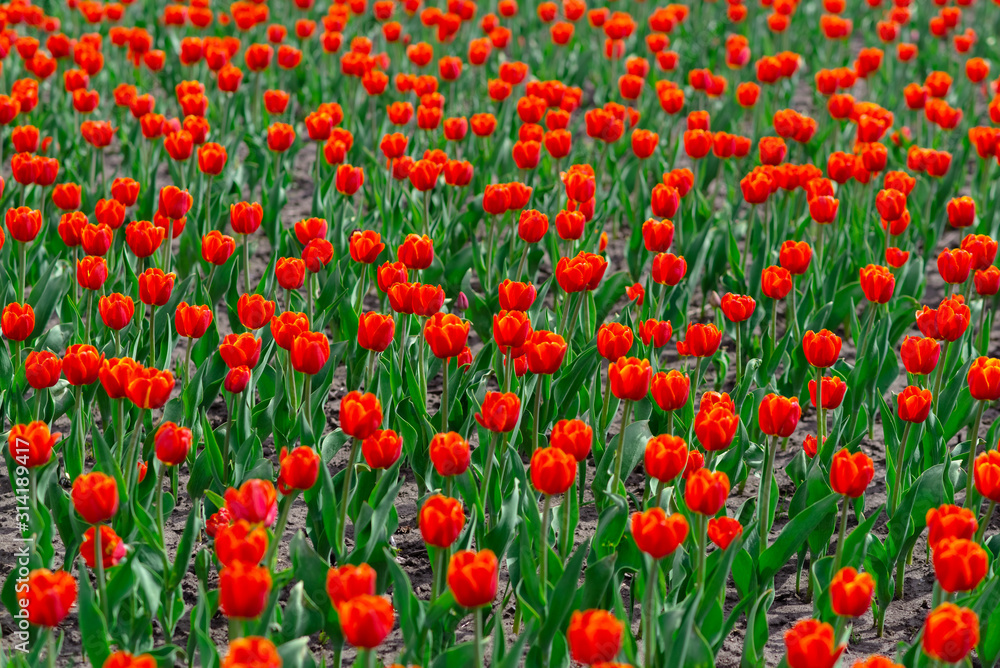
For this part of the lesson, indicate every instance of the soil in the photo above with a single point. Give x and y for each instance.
(903, 619)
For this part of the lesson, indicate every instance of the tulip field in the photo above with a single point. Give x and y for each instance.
(499, 333)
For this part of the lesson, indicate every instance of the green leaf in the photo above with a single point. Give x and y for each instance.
(92, 625)
(794, 535)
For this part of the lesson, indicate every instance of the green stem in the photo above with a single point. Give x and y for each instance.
(478, 637)
(739, 354)
(230, 426)
(161, 470)
(132, 462)
(764, 507)
(22, 268)
(81, 443)
(940, 371)
(279, 530)
(649, 615)
(439, 565)
(973, 446)
(607, 404)
(564, 536)
(422, 371)
(444, 397)
(152, 336)
(348, 474)
(246, 266)
(488, 467)
(626, 413)
(841, 536)
(99, 570)
(702, 549)
(897, 483)
(821, 413)
(52, 648)
(403, 322)
(90, 311)
(543, 553)
(985, 522)
(520, 265)
(538, 415)
(187, 363)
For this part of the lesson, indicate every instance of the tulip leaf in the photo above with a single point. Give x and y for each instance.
(793, 535)
(300, 615)
(559, 608)
(295, 654)
(93, 628)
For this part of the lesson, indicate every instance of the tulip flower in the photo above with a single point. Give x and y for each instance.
(723, 531)
(777, 417)
(450, 455)
(851, 592)
(347, 582)
(552, 473)
(812, 644)
(984, 385)
(47, 597)
(950, 633)
(594, 636)
(473, 578)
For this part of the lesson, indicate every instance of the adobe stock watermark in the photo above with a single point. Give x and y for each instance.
(21, 483)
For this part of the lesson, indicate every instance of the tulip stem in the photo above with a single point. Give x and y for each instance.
(208, 208)
(422, 372)
(231, 424)
(985, 521)
(774, 325)
(626, 413)
(702, 542)
(564, 536)
(90, 310)
(520, 265)
(279, 529)
(133, 453)
(102, 588)
(52, 648)
(436, 572)
(22, 269)
(897, 483)
(478, 637)
(739, 354)
(187, 362)
(348, 473)
(649, 638)
(820, 412)
(81, 437)
(607, 404)
(306, 403)
(973, 446)
(162, 469)
(567, 302)
(362, 289)
(697, 381)
(543, 556)
(538, 416)
(152, 336)
(839, 555)
(488, 467)
(764, 507)
(940, 373)
(444, 397)
(246, 266)
(403, 322)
